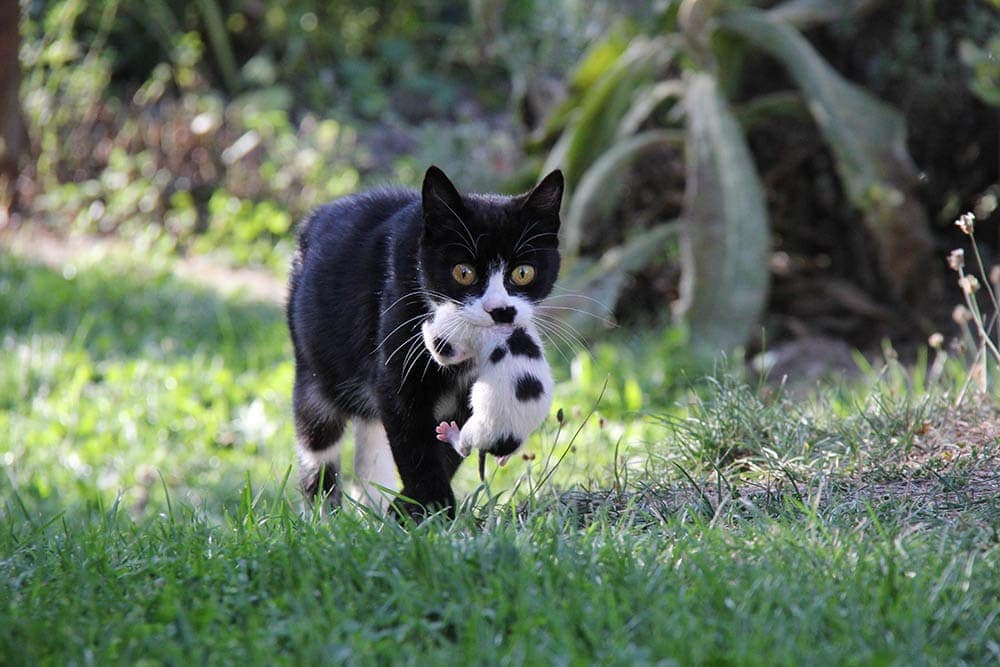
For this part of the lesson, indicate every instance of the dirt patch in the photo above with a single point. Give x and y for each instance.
(951, 472)
(43, 246)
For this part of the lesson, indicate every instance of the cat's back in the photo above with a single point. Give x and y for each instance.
(352, 222)
(339, 272)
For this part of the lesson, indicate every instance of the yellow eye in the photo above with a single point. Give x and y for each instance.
(522, 274)
(463, 274)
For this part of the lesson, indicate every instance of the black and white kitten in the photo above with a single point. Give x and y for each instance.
(369, 270)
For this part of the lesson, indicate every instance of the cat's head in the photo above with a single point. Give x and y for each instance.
(487, 260)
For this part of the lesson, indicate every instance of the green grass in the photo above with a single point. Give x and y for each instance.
(146, 512)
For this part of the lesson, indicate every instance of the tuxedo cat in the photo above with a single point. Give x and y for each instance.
(369, 270)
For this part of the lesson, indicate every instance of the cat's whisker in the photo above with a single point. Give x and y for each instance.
(546, 306)
(389, 335)
(550, 338)
(569, 294)
(397, 301)
(527, 228)
(566, 329)
(528, 241)
(464, 246)
(568, 337)
(440, 295)
(427, 366)
(401, 345)
(474, 241)
(415, 351)
(411, 359)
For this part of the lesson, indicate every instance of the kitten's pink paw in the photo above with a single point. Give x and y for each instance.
(447, 432)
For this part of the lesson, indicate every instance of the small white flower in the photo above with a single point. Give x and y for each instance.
(969, 284)
(956, 259)
(967, 223)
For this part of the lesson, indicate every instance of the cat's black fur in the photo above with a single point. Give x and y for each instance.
(369, 269)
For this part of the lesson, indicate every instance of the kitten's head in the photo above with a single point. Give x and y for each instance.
(487, 260)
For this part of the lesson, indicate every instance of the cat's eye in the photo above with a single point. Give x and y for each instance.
(463, 274)
(522, 274)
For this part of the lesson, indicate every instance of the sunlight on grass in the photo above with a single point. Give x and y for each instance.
(149, 506)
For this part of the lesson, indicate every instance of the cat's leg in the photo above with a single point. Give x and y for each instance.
(318, 430)
(373, 464)
(425, 467)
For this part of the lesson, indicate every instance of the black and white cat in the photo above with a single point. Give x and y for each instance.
(512, 393)
(369, 270)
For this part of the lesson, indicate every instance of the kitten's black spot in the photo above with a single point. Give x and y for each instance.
(522, 345)
(503, 315)
(504, 446)
(498, 354)
(528, 388)
(443, 347)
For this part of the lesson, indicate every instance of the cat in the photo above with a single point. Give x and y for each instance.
(368, 271)
(512, 393)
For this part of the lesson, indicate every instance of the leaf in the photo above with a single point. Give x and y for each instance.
(805, 14)
(646, 102)
(868, 141)
(867, 136)
(724, 234)
(595, 126)
(595, 63)
(590, 283)
(598, 59)
(600, 188)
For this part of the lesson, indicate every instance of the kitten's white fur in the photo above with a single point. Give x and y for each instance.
(496, 411)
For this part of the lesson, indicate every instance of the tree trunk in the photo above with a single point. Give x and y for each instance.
(13, 137)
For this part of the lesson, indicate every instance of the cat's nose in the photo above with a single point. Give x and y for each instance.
(503, 315)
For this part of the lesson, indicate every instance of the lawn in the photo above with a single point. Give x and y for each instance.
(149, 515)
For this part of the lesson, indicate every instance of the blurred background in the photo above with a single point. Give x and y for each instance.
(763, 171)
(757, 175)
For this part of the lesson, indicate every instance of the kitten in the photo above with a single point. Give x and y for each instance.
(369, 270)
(512, 393)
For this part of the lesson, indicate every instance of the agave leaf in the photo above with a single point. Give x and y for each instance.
(595, 63)
(592, 287)
(595, 126)
(725, 236)
(598, 59)
(764, 108)
(867, 136)
(868, 140)
(805, 14)
(646, 102)
(600, 188)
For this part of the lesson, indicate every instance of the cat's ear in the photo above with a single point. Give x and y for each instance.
(440, 199)
(546, 197)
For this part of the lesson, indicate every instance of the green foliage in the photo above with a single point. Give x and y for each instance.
(176, 164)
(268, 587)
(148, 514)
(725, 235)
(106, 379)
(725, 246)
(985, 65)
